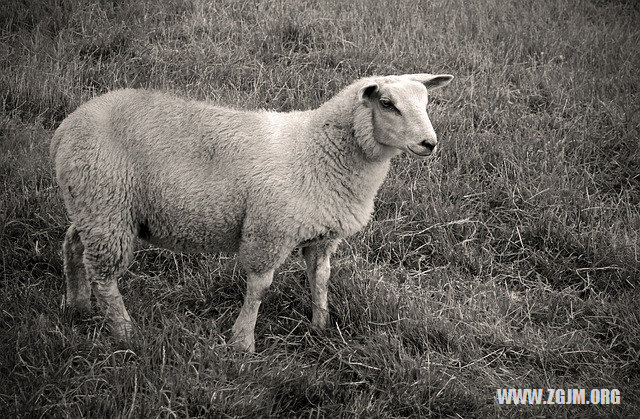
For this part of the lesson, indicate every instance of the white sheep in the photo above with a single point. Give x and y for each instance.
(190, 176)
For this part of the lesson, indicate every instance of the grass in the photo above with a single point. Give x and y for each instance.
(511, 259)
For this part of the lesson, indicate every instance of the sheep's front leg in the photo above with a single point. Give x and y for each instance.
(243, 329)
(317, 257)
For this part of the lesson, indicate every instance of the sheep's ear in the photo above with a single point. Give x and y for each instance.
(431, 81)
(367, 91)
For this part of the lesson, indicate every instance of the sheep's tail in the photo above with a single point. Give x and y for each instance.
(59, 134)
(55, 142)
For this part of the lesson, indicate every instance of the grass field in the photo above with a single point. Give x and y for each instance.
(509, 260)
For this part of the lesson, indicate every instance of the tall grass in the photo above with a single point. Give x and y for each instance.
(510, 259)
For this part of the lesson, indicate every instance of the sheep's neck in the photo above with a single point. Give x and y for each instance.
(337, 157)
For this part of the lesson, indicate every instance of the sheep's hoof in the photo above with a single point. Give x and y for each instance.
(320, 320)
(122, 332)
(77, 306)
(76, 312)
(244, 343)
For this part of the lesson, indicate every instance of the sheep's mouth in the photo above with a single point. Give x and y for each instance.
(424, 154)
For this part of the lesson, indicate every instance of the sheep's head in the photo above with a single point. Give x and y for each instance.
(398, 106)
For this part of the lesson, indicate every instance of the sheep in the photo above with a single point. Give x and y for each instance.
(190, 176)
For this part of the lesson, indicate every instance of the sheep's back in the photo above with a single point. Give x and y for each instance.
(175, 161)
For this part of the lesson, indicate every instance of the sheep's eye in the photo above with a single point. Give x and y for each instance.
(388, 105)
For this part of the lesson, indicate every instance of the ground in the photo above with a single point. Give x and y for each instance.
(508, 260)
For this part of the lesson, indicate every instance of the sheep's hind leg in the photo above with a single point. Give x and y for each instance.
(316, 257)
(78, 293)
(106, 257)
(244, 327)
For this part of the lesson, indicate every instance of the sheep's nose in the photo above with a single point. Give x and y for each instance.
(429, 144)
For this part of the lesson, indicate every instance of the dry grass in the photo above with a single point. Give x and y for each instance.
(511, 259)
